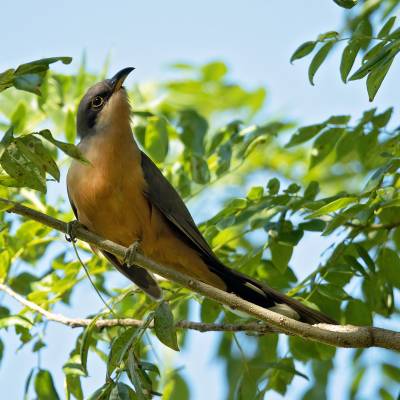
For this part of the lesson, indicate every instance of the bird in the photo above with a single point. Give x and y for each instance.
(121, 195)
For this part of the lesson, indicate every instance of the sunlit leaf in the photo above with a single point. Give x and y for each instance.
(335, 205)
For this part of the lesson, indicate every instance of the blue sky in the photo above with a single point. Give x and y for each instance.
(255, 38)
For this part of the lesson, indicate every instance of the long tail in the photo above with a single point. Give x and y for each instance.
(258, 293)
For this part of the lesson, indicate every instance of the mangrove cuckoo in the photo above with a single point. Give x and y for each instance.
(121, 195)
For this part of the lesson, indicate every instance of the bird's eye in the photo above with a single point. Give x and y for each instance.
(97, 102)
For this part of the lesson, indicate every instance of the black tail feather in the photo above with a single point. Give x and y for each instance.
(258, 293)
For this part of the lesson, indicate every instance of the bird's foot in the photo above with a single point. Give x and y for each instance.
(131, 253)
(72, 227)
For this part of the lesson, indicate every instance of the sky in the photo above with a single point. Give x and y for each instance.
(255, 38)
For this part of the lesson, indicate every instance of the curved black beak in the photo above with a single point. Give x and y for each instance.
(118, 79)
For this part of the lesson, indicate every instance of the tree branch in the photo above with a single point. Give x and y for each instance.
(335, 335)
(255, 327)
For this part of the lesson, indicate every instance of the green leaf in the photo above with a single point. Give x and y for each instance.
(392, 371)
(347, 143)
(176, 388)
(22, 169)
(385, 30)
(355, 265)
(6, 140)
(156, 138)
(22, 283)
(348, 57)
(385, 54)
(28, 383)
(69, 128)
(199, 169)
(311, 191)
(304, 134)
(314, 225)
(346, 3)
(39, 344)
(29, 82)
(324, 144)
(338, 119)
(303, 50)
(280, 378)
(281, 255)
(376, 77)
(292, 188)
(134, 376)
(382, 119)
(86, 341)
(40, 65)
(15, 320)
(366, 257)
(214, 71)
(119, 348)
(103, 392)
(358, 313)
(44, 386)
(34, 149)
(318, 59)
(224, 154)
(210, 310)
(246, 386)
(194, 128)
(73, 386)
(164, 326)
(273, 186)
(6, 79)
(389, 264)
(1, 350)
(73, 367)
(282, 365)
(334, 205)
(68, 148)
(328, 35)
(19, 117)
(30, 76)
(385, 394)
(333, 292)
(121, 391)
(290, 237)
(255, 193)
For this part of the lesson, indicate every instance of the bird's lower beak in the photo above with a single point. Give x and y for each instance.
(118, 79)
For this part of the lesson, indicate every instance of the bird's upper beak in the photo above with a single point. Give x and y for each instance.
(118, 79)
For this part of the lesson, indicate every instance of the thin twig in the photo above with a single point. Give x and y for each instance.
(109, 323)
(335, 335)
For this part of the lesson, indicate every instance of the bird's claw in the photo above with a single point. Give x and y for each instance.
(131, 253)
(72, 226)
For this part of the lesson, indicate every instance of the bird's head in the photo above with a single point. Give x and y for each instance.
(105, 104)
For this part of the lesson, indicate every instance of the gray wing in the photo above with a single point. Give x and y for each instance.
(163, 196)
(136, 274)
